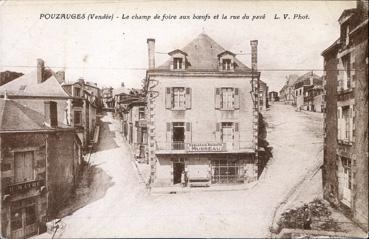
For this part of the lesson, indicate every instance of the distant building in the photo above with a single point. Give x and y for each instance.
(302, 85)
(345, 170)
(314, 99)
(273, 96)
(202, 115)
(83, 109)
(107, 97)
(39, 159)
(287, 93)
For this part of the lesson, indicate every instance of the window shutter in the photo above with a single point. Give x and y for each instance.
(236, 99)
(139, 135)
(339, 125)
(188, 133)
(188, 98)
(169, 132)
(218, 133)
(236, 140)
(217, 98)
(168, 98)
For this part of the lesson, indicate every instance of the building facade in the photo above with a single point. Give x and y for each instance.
(345, 170)
(39, 165)
(287, 93)
(202, 118)
(303, 84)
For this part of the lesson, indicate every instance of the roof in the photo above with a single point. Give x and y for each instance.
(346, 13)
(202, 54)
(27, 85)
(121, 90)
(332, 47)
(307, 76)
(17, 117)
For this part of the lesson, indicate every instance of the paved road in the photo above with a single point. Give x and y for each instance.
(126, 210)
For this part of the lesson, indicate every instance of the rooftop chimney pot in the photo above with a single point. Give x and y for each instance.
(40, 70)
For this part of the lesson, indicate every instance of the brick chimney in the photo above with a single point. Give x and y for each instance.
(51, 114)
(151, 50)
(40, 70)
(60, 76)
(254, 54)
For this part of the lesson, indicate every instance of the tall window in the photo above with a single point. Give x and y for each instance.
(77, 92)
(141, 112)
(77, 117)
(177, 63)
(179, 98)
(23, 169)
(347, 65)
(226, 63)
(347, 40)
(227, 98)
(346, 118)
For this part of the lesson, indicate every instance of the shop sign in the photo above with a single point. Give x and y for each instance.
(207, 147)
(25, 186)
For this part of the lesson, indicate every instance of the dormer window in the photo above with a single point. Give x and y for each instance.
(177, 63)
(178, 59)
(226, 61)
(226, 64)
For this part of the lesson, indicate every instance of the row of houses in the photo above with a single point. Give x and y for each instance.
(196, 120)
(345, 169)
(305, 92)
(46, 126)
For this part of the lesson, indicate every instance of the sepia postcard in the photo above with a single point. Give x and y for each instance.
(183, 119)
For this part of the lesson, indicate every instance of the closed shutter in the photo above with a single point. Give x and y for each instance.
(28, 165)
(19, 167)
(236, 136)
(236, 99)
(188, 98)
(339, 129)
(218, 133)
(217, 98)
(351, 123)
(139, 135)
(188, 135)
(169, 132)
(168, 98)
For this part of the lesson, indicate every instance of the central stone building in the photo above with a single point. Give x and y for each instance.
(202, 106)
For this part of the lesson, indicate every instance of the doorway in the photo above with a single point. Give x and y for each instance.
(178, 169)
(23, 219)
(346, 163)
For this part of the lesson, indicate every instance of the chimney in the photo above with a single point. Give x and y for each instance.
(254, 54)
(40, 70)
(151, 49)
(51, 114)
(122, 84)
(60, 76)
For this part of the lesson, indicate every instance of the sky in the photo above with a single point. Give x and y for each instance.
(110, 52)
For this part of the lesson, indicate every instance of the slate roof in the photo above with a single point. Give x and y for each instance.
(202, 55)
(27, 85)
(16, 117)
(306, 76)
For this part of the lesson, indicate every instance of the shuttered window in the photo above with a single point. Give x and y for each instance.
(177, 98)
(227, 98)
(23, 170)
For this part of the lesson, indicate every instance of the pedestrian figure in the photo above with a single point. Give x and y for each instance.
(307, 219)
(183, 179)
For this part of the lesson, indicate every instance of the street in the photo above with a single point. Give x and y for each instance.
(126, 209)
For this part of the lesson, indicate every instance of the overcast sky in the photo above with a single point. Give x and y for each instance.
(111, 52)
